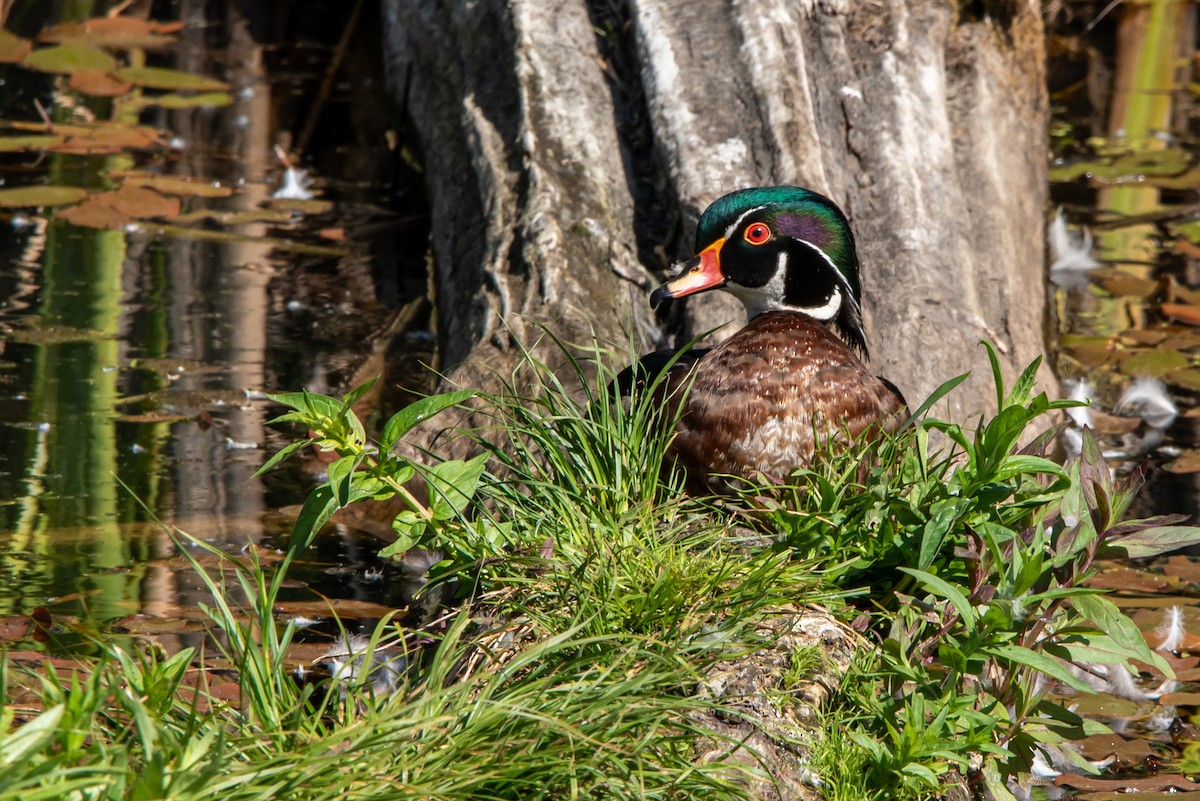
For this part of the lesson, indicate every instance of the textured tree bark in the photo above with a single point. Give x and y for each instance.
(570, 146)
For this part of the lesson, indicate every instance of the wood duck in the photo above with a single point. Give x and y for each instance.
(760, 402)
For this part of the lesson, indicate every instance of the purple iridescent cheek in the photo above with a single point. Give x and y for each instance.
(809, 229)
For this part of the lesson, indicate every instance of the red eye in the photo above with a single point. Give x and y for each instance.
(757, 234)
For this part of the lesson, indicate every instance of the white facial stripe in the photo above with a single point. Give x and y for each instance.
(769, 297)
(829, 309)
(737, 223)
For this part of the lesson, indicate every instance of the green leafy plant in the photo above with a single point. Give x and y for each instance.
(985, 550)
(364, 471)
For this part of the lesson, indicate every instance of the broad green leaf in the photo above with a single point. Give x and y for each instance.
(31, 737)
(1151, 542)
(318, 508)
(409, 527)
(404, 420)
(1105, 616)
(1021, 465)
(452, 486)
(1022, 390)
(945, 512)
(309, 403)
(341, 475)
(1099, 649)
(996, 784)
(355, 395)
(174, 80)
(945, 589)
(281, 454)
(1040, 662)
(69, 58)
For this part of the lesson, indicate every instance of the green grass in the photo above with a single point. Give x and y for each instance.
(612, 597)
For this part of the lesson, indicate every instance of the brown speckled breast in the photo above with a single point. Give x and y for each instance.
(758, 398)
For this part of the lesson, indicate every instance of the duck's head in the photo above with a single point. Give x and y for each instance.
(777, 248)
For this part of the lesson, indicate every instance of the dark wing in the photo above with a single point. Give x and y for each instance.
(647, 370)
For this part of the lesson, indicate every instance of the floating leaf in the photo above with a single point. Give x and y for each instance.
(1141, 336)
(303, 206)
(126, 32)
(105, 138)
(1188, 379)
(1131, 286)
(1182, 311)
(117, 209)
(69, 58)
(1154, 363)
(235, 217)
(180, 187)
(1187, 462)
(55, 335)
(202, 100)
(20, 144)
(175, 80)
(12, 47)
(1186, 230)
(41, 196)
(1090, 351)
(98, 84)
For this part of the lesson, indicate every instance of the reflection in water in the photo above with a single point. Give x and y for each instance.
(125, 355)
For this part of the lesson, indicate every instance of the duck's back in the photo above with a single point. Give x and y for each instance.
(757, 400)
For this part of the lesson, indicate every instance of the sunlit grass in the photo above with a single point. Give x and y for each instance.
(597, 600)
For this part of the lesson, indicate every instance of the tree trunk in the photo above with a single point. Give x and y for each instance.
(570, 146)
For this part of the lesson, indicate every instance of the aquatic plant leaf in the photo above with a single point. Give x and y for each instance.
(105, 138)
(122, 32)
(117, 209)
(20, 144)
(1188, 379)
(179, 187)
(112, 27)
(174, 80)
(1090, 351)
(12, 47)
(176, 101)
(69, 58)
(1139, 787)
(24, 196)
(98, 83)
(1131, 286)
(1156, 363)
(1182, 311)
(234, 217)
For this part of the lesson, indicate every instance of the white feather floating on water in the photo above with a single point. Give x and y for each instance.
(1170, 631)
(1148, 399)
(295, 185)
(1070, 253)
